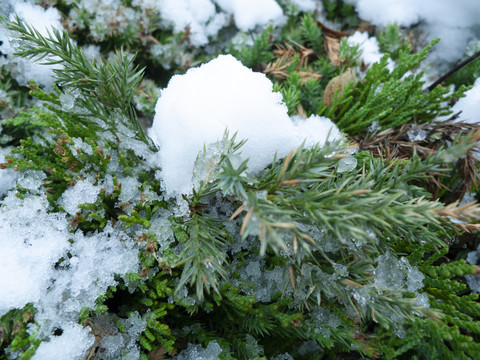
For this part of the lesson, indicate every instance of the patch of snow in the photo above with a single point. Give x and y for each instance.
(7, 176)
(369, 48)
(196, 352)
(249, 14)
(316, 130)
(85, 275)
(307, 5)
(393, 273)
(198, 15)
(284, 356)
(347, 164)
(415, 134)
(116, 344)
(74, 343)
(473, 281)
(83, 192)
(36, 16)
(32, 241)
(469, 105)
(455, 22)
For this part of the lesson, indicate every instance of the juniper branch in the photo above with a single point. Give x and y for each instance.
(203, 256)
(106, 87)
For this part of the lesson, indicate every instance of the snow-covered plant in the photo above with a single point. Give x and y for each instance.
(244, 224)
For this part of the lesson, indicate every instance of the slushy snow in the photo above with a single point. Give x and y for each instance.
(196, 108)
(307, 5)
(33, 242)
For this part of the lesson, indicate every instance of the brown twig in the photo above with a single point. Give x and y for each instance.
(394, 143)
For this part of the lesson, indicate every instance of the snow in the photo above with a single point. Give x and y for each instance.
(469, 105)
(35, 268)
(322, 320)
(204, 22)
(196, 108)
(83, 192)
(7, 176)
(316, 129)
(43, 262)
(346, 164)
(196, 352)
(115, 344)
(41, 19)
(416, 134)
(74, 343)
(258, 281)
(250, 13)
(31, 241)
(67, 100)
(455, 22)
(369, 48)
(473, 281)
(285, 356)
(307, 5)
(393, 273)
(198, 15)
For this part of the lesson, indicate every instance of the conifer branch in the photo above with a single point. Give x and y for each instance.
(106, 87)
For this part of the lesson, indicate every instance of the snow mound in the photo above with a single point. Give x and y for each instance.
(196, 108)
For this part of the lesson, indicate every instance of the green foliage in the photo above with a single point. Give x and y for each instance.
(391, 41)
(389, 98)
(113, 84)
(53, 151)
(342, 11)
(456, 334)
(201, 269)
(312, 33)
(14, 335)
(259, 53)
(314, 233)
(468, 74)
